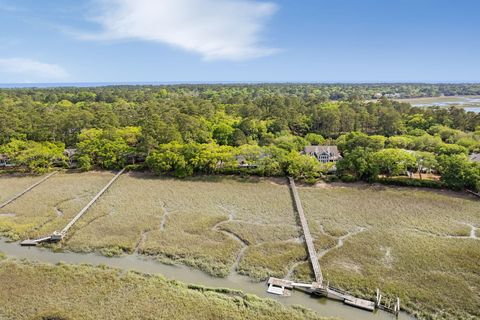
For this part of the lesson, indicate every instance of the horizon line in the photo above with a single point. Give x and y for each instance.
(32, 85)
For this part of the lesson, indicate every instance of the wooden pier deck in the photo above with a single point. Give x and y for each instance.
(284, 286)
(57, 236)
(85, 209)
(312, 253)
(15, 197)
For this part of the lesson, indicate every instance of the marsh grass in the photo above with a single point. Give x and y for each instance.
(50, 206)
(408, 247)
(271, 259)
(12, 184)
(40, 291)
(252, 233)
(412, 243)
(201, 221)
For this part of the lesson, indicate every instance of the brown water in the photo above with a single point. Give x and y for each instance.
(185, 274)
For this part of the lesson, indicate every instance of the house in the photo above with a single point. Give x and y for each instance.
(71, 153)
(324, 154)
(475, 157)
(250, 161)
(5, 161)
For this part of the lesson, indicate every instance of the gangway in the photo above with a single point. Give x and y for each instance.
(58, 236)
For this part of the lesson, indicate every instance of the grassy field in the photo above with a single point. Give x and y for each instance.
(412, 243)
(416, 244)
(40, 291)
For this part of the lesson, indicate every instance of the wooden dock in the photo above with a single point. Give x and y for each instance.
(473, 193)
(312, 253)
(58, 236)
(85, 209)
(15, 197)
(284, 287)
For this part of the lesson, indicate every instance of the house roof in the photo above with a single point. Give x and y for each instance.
(331, 150)
(475, 157)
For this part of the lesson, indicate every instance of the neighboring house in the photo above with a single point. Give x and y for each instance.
(475, 157)
(324, 154)
(5, 161)
(70, 153)
(243, 162)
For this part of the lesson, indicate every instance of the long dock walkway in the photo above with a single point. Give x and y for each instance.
(312, 253)
(85, 209)
(285, 286)
(57, 236)
(15, 197)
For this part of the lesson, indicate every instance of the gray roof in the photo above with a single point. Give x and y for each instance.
(331, 150)
(475, 157)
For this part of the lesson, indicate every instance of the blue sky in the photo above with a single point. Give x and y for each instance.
(239, 40)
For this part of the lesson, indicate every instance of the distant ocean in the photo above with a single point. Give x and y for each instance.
(83, 84)
(105, 84)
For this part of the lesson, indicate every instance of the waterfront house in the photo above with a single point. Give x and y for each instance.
(324, 154)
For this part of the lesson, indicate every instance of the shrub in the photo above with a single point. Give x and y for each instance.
(348, 178)
(408, 182)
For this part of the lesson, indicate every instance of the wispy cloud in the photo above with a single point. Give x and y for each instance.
(215, 29)
(22, 68)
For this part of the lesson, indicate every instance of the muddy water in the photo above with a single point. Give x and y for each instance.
(185, 274)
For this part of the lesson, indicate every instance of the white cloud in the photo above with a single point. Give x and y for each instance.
(18, 68)
(216, 29)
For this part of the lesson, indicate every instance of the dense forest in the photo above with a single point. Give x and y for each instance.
(183, 130)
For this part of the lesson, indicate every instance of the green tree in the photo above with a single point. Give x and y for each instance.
(358, 163)
(457, 172)
(315, 139)
(37, 157)
(223, 134)
(303, 167)
(425, 161)
(393, 162)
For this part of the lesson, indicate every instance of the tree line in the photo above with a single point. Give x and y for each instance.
(204, 129)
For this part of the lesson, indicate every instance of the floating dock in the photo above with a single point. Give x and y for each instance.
(58, 236)
(318, 287)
